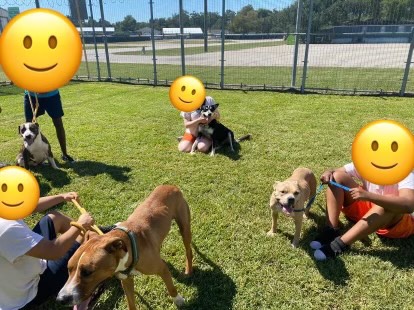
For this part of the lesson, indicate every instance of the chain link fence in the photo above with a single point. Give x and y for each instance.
(344, 46)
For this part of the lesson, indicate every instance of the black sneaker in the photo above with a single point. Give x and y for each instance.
(335, 248)
(67, 158)
(327, 235)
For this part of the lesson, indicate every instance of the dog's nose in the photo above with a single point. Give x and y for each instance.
(291, 201)
(64, 299)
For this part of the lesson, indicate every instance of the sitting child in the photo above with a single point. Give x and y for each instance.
(192, 120)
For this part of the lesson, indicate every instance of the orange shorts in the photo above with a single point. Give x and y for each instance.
(189, 137)
(403, 229)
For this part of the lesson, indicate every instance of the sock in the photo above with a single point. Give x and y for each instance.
(335, 248)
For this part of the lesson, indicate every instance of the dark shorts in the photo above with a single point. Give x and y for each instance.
(56, 273)
(52, 105)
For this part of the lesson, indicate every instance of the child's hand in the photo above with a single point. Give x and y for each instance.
(203, 120)
(69, 196)
(358, 193)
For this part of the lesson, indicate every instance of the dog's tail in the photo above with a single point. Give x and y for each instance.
(245, 137)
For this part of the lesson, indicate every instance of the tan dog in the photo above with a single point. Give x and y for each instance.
(101, 257)
(289, 197)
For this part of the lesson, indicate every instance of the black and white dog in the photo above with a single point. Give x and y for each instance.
(219, 134)
(36, 149)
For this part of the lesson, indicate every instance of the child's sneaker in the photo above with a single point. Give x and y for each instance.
(331, 250)
(327, 235)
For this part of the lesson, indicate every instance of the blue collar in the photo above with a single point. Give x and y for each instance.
(134, 247)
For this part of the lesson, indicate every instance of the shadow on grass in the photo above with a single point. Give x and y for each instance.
(215, 289)
(57, 177)
(94, 168)
(333, 269)
(400, 252)
(7, 90)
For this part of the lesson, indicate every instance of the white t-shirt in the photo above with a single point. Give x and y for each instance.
(19, 273)
(190, 116)
(393, 189)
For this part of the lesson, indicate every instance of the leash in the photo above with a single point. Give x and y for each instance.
(34, 109)
(83, 211)
(310, 202)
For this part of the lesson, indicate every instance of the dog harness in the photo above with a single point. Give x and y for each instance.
(134, 246)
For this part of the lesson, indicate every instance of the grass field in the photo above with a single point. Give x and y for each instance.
(347, 79)
(124, 138)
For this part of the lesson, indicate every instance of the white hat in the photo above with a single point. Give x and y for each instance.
(209, 101)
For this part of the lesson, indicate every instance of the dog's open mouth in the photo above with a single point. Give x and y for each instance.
(286, 208)
(12, 205)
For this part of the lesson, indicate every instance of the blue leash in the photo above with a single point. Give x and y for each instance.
(310, 202)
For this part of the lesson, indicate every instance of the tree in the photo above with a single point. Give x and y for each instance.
(129, 24)
(245, 21)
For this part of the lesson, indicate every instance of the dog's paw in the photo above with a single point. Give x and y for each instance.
(295, 244)
(179, 300)
(270, 233)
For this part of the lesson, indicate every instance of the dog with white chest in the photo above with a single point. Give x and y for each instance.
(219, 134)
(289, 197)
(36, 148)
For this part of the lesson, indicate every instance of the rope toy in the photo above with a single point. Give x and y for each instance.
(83, 211)
(34, 109)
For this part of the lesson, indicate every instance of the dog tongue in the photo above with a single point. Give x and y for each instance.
(287, 210)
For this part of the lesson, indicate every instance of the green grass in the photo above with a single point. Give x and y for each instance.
(347, 79)
(193, 50)
(124, 138)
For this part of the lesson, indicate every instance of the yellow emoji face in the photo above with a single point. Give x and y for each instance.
(187, 93)
(40, 50)
(383, 152)
(19, 193)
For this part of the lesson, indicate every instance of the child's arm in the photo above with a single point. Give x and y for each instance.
(403, 203)
(200, 120)
(51, 201)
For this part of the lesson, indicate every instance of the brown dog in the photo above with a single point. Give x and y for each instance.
(289, 197)
(101, 257)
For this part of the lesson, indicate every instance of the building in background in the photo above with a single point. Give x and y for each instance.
(4, 19)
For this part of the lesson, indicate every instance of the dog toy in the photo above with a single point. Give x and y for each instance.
(83, 211)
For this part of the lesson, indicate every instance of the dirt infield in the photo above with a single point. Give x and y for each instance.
(320, 55)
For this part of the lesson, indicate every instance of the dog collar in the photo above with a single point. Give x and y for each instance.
(134, 246)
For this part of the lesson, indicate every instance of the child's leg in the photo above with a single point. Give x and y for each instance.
(336, 198)
(373, 220)
(204, 145)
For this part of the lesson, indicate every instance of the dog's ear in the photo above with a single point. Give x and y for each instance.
(89, 234)
(217, 105)
(115, 245)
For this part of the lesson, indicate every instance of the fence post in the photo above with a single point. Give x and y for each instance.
(182, 38)
(205, 26)
(37, 4)
(407, 64)
(295, 55)
(305, 62)
(223, 23)
(94, 42)
(154, 60)
(108, 65)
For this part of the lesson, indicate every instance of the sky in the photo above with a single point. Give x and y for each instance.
(116, 10)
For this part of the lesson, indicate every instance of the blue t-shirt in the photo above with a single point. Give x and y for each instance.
(43, 95)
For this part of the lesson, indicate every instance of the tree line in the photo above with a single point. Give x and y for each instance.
(326, 13)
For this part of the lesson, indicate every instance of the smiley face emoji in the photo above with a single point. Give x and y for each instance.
(187, 93)
(383, 152)
(40, 50)
(19, 193)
